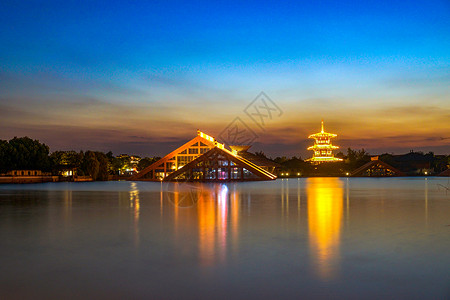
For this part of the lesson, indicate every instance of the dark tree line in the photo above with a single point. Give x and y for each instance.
(26, 154)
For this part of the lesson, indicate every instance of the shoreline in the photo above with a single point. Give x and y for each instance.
(56, 179)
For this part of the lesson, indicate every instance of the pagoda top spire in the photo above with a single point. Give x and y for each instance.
(322, 133)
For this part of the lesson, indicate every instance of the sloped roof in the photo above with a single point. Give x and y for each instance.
(445, 173)
(371, 163)
(258, 160)
(155, 165)
(238, 160)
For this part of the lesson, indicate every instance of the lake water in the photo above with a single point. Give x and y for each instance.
(307, 238)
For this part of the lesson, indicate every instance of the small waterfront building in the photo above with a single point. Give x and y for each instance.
(27, 176)
(25, 173)
(323, 148)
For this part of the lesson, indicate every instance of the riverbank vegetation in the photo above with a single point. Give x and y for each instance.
(25, 153)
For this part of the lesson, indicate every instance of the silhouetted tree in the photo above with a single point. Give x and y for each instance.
(280, 160)
(357, 158)
(103, 167)
(261, 154)
(66, 158)
(6, 163)
(145, 162)
(90, 165)
(24, 153)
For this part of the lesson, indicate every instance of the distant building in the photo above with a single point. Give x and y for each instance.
(130, 164)
(376, 168)
(26, 173)
(323, 148)
(414, 163)
(27, 176)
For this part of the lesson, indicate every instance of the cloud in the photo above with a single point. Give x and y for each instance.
(407, 81)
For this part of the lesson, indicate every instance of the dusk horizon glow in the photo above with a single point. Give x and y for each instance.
(141, 78)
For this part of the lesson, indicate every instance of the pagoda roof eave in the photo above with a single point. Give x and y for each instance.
(322, 134)
(324, 159)
(324, 147)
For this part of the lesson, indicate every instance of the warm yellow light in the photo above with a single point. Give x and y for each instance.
(287, 174)
(323, 147)
(325, 208)
(282, 174)
(205, 136)
(347, 173)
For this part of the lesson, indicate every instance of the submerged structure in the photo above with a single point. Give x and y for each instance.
(203, 159)
(323, 148)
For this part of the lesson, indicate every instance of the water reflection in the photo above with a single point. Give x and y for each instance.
(231, 244)
(298, 198)
(325, 208)
(426, 201)
(135, 205)
(67, 207)
(213, 210)
(284, 197)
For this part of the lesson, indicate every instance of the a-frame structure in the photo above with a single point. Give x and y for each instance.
(176, 159)
(376, 168)
(220, 164)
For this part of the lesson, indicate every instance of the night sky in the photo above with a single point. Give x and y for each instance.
(141, 77)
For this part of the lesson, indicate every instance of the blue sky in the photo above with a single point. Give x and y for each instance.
(105, 73)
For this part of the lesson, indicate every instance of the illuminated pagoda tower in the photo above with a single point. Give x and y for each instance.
(323, 149)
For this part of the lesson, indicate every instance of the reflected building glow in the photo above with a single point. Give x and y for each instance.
(135, 205)
(347, 202)
(426, 201)
(284, 198)
(212, 210)
(67, 207)
(325, 209)
(234, 211)
(298, 197)
(161, 200)
(216, 213)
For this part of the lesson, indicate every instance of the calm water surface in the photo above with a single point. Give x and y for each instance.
(291, 238)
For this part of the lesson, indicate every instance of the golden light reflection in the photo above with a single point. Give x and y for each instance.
(135, 205)
(298, 200)
(325, 208)
(67, 207)
(213, 210)
(234, 211)
(285, 198)
(426, 201)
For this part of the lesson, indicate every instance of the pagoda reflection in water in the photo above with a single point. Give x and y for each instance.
(325, 209)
